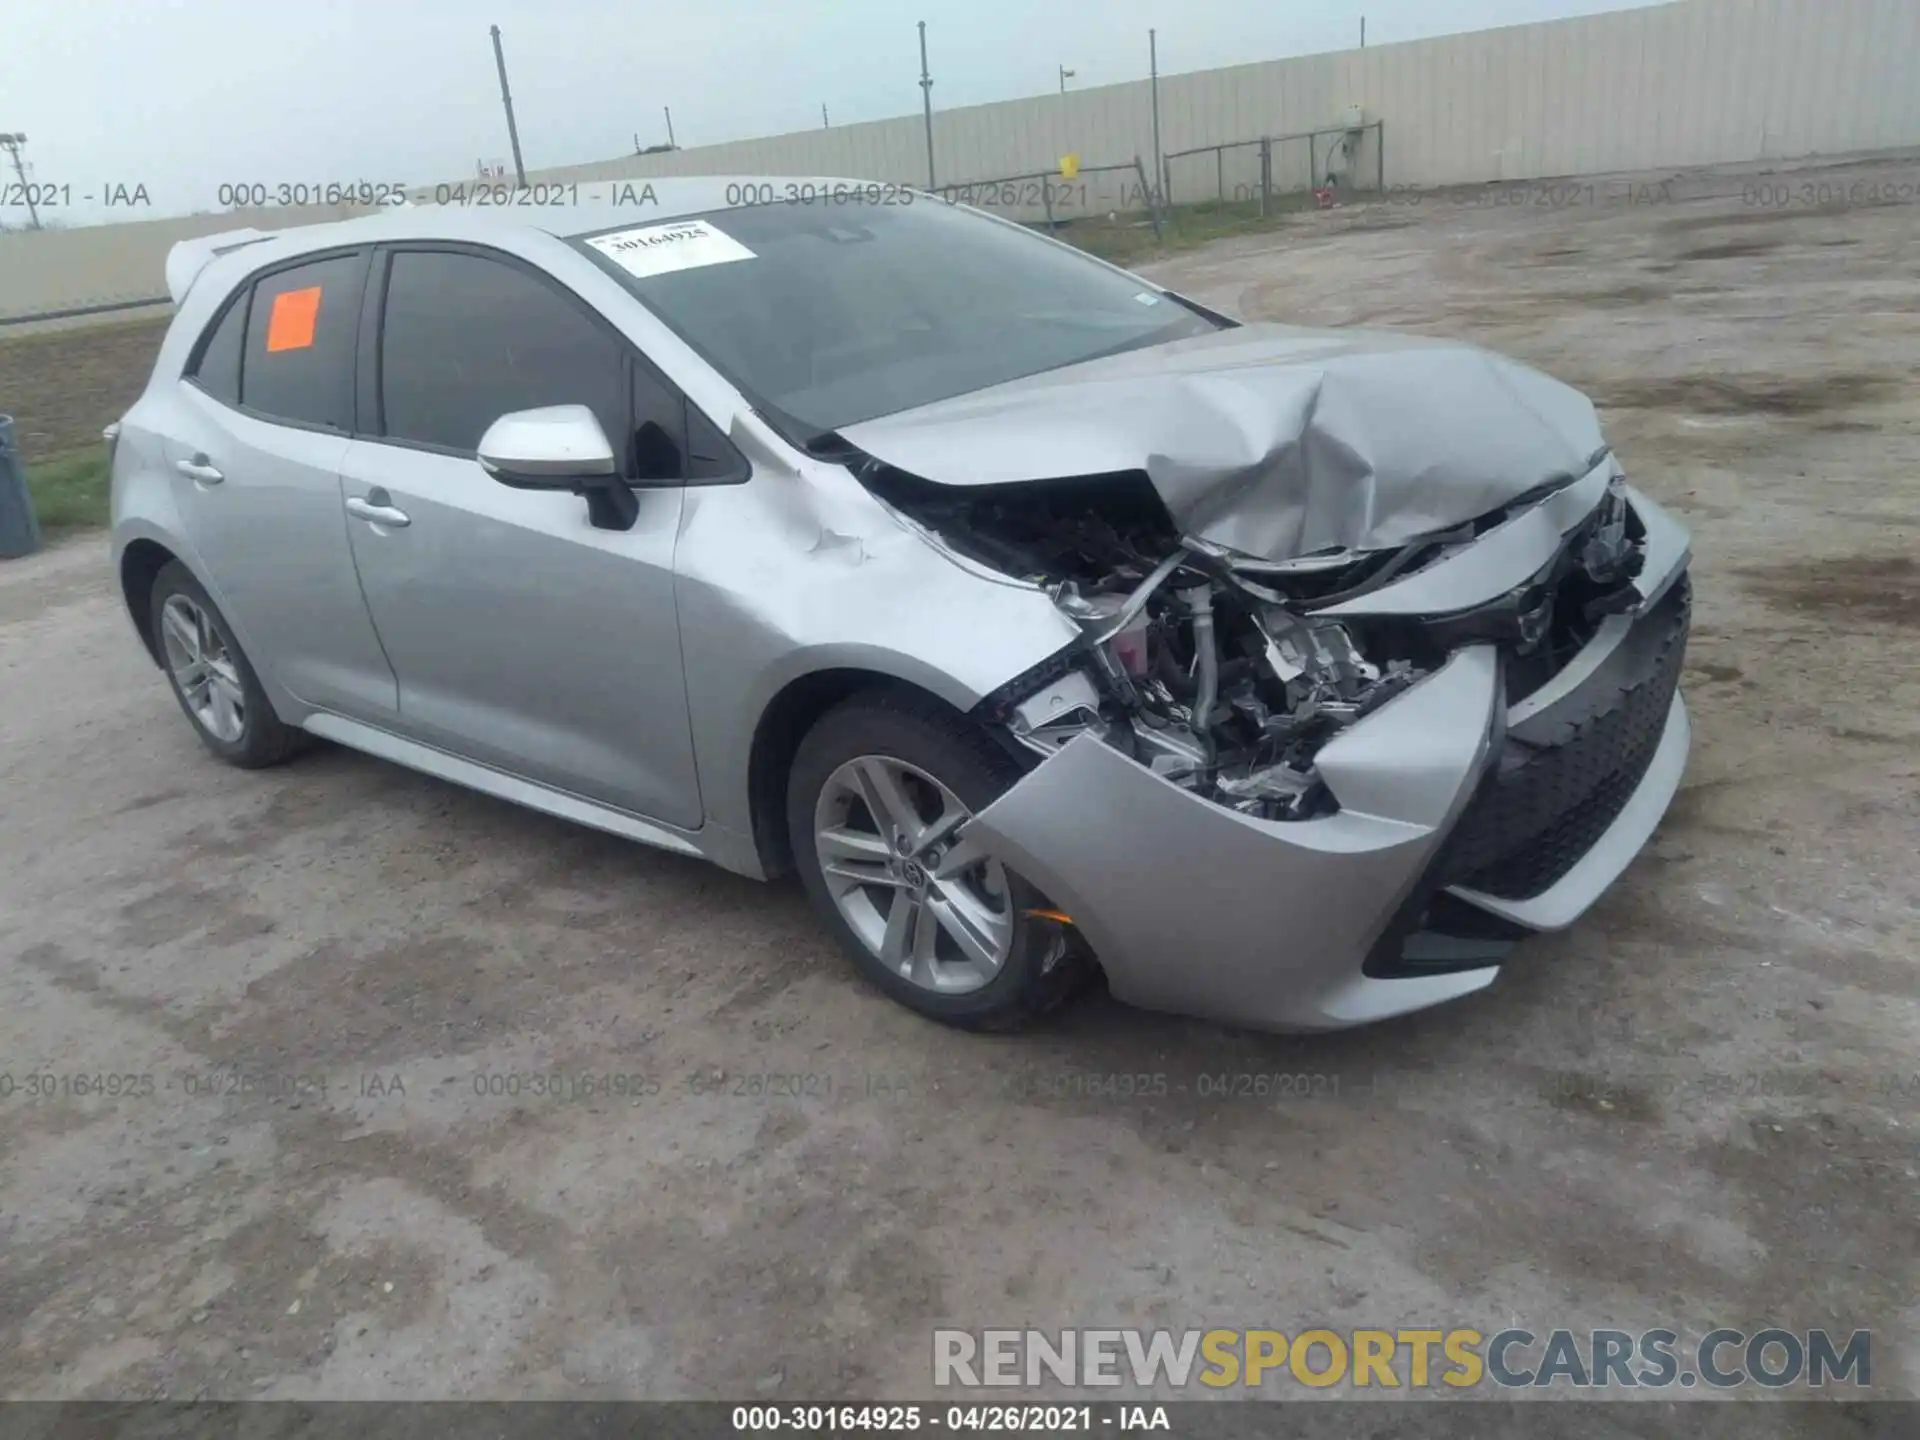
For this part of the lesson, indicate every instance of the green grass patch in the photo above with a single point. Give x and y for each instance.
(70, 492)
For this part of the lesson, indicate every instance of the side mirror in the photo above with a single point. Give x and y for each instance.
(561, 447)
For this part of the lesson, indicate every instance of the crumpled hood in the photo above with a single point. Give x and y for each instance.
(1273, 440)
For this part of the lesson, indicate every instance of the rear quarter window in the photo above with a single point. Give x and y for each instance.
(298, 360)
(215, 367)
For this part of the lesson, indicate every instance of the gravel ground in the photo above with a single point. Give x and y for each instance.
(1698, 1108)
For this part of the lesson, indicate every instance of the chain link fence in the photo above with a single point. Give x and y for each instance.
(1250, 176)
(1255, 171)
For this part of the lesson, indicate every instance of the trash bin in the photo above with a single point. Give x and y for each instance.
(19, 531)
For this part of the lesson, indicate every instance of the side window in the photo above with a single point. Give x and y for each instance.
(466, 339)
(672, 440)
(710, 455)
(217, 370)
(659, 428)
(299, 350)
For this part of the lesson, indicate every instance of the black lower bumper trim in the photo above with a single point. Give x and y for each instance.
(1563, 776)
(1549, 791)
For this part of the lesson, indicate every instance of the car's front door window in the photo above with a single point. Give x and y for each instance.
(467, 339)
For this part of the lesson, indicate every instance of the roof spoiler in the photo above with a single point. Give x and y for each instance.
(188, 258)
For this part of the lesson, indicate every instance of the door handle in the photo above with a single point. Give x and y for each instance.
(373, 514)
(198, 469)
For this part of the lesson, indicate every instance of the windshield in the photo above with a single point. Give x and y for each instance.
(837, 313)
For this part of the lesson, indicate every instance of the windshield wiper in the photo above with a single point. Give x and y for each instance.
(1224, 322)
(822, 444)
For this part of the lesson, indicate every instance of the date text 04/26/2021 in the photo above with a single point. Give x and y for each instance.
(962, 1419)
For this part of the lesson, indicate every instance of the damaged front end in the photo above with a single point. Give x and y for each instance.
(1370, 770)
(1225, 674)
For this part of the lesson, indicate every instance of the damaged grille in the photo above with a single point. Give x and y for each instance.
(1552, 795)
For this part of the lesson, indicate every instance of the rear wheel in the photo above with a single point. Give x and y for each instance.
(211, 678)
(878, 803)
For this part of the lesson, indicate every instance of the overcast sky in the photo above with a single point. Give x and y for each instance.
(183, 95)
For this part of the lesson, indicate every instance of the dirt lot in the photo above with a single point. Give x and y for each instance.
(1698, 1108)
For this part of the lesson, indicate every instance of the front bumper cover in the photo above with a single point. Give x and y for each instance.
(1328, 923)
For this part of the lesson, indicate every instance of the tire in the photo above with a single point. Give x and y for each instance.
(935, 756)
(229, 710)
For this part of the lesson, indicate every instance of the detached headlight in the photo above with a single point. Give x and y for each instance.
(1609, 554)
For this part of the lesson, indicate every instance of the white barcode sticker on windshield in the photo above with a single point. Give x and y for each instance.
(661, 249)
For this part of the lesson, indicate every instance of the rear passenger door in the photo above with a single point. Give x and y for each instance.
(523, 637)
(264, 419)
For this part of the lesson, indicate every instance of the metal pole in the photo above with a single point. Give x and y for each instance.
(1220, 172)
(825, 124)
(1153, 207)
(672, 144)
(1363, 32)
(926, 101)
(13, 144)
(506, 99)
(1266, 172)
(1153, 62)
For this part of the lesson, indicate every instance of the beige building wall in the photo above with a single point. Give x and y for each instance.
(1695, 82)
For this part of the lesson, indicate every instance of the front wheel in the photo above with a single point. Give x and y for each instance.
(878, 802)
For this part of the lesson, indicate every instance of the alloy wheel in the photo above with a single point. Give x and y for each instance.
(202, 666)
(923, 898)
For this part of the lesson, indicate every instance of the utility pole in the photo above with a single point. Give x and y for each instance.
(11, 144)
(825, 124)
(506, 99)
(1065, 75)
(926, 101)
(1153, 61)
(1363, 32)
(672, 144)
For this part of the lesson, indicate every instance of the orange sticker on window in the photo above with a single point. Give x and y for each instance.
(290, 326)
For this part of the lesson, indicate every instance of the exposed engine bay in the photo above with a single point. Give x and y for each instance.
(1216, 669)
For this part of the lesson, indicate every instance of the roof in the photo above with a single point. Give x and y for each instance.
(642, 202)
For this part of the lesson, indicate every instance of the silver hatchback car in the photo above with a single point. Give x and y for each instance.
(1045, 621)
